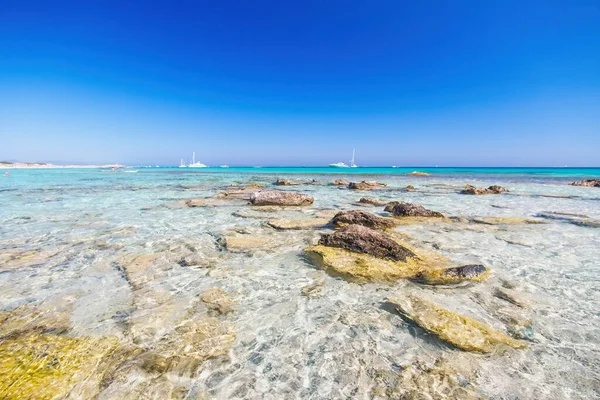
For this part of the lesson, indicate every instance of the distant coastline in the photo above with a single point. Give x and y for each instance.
(34, 165)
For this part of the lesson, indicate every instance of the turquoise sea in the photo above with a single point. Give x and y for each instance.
(119, 256)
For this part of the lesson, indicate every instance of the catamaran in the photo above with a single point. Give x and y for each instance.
(195, 164)
(343, 164)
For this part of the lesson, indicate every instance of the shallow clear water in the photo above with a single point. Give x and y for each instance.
(85, 223)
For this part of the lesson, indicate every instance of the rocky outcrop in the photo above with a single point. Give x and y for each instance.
(494, 189)
(278, 198)
(403, 209)
(463, 332)
(285, 182)
(340, 182)
(358, 217)
(372, 201)
(360, 239)
(587, 183)
(390, 206)
(418, 173)
(364, 185)
(361, 268)
(409, 188)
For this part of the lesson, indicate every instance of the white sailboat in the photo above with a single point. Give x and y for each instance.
(182, 165)
(343, 164)
(195, 164)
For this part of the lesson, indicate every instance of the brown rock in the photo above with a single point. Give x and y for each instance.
(360, 239)
(340, 182)
(285, 182)
(403, 209)
(242, 192)
(494, 189)
(418, 173)
(390, 206)
(409, 188)
(358, 217)
(372, 201)
(278, 198)
(364, 185)
(587, 182)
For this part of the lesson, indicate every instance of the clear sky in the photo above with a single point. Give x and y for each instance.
(251, 82)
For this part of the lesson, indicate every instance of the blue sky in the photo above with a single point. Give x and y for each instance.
(498, 83)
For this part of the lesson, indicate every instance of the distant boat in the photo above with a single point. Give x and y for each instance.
(343, 164)
(339, 165)
(182, 165)
(195, 164)
(224, 166)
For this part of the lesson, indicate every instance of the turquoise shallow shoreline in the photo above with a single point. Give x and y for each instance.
(122, 258)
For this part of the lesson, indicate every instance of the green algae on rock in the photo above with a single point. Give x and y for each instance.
(445, 276)
(360, 254)
(46, 366)
(463, 332)
(361, 268)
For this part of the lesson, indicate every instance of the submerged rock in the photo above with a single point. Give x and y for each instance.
(313, 290)
(409, 188)
(285, 182)
(403, 209)
(278, 198)
(372, 201)
(364, 185)
(358, 217)
(246, 242)
(575, 219)
(504, 220)
(463, 332)
(199, 339)
(360, 239)
(494, 189)
(418, 173)
(216, 299)
(587, 183)
(243, 192)
(306, 223)
(46, 366)
(443, 380)
(340, 182)
(214, 202)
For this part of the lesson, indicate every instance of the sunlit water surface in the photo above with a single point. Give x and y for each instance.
(288, 345)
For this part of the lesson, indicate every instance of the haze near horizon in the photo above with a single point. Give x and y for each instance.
(271, 83)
